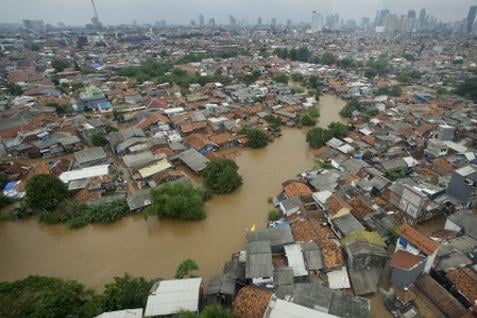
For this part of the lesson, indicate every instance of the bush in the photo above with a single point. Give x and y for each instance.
(349, 108)
(468, 89)
(215, 311)
(273, 215)
(45, 192)
(328, 58)
(256, 137)
(178, 201)
(185, 268)
(221, 176)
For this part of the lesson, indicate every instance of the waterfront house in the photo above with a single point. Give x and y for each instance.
(169, 297)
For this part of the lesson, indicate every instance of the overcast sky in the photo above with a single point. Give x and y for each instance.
(79, 12)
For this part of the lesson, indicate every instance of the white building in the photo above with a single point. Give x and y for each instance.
(316, 22)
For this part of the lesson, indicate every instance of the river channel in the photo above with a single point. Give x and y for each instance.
(152, 248)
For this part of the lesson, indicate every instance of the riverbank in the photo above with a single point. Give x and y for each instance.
(153, 248)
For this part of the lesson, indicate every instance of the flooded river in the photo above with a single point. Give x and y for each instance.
(152, 248)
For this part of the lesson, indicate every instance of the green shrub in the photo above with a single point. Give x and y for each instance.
(273, 215)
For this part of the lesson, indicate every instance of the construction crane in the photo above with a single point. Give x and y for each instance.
(96, 17)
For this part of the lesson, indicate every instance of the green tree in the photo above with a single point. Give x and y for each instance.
(349, 108)
(468, 89)
(186, 269)
(221, 176)
(126, 292)
(410, 57)
(186, 314)
(45, 192)
(328, 58)
(256, 138)
(37, 296)
(215, 311)
(178, 201)
(297, 77)
(347, 63)
(281, 78)
(370, 73)
(58, 64)
(98, 139)
(338, 130)
(307, 120)
(14, 89)
(318, 137)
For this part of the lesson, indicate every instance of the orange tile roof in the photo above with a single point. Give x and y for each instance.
(442, 166)
(332, 256)
(197, 141)
(296, 188)
(152, 119)
(405, 260)
(465, 279)
(251, 302)
(222, 138)
(190, 127)
(418, 239)
(336, 203)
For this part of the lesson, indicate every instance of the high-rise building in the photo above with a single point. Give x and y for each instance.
(274, 22)
(192, 22)
(381, 17)
(34, 25)
(289, 23)
(471, 19)
(259, 21)
(201, 20)
(212, 22)
(232, 21)
(316, 22)
(422, 19)
(365, 24)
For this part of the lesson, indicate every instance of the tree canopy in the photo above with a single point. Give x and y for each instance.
(468, 89)
(328, 58)
(256, 137)
(178, 201)
(281, 78)
(215, 311)
(37, 296)
(318, 137)
(99, 139)
(186, 268)
(221, 176)
(14, 89)
(45, 192)
(126, 292)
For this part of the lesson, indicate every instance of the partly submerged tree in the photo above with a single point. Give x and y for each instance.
(178, 201)
(186, 268)
(45, 192)
(256, 137)
(221, 176)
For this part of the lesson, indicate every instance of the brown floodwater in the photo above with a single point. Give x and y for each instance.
(152, 248)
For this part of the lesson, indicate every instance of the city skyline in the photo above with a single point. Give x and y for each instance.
(149, 11)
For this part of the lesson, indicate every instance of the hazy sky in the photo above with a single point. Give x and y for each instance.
(79, 12)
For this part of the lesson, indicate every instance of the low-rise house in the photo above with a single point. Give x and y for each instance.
(139, 200)
(90, 157)
(337, 207)
(365, 264)
(416, 243)
(312, 255)
(201, 143)
(406, 268)
(258, 266)
(290, 206)
(463, 185)
(463, 221)
(224, 140)
(295, 260)
(125, 313)
(279, 237)
(193, 159)
(221, 289)
(169, 297)
(85, 174)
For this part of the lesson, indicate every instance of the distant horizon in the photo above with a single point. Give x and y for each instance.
(116, 12)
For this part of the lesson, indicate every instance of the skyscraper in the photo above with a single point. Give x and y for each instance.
(232, 21)
(422, 19)
(274, 22)
(471, 18)
(201, 20)
(259, 21)
(212, 22)
(316, 22)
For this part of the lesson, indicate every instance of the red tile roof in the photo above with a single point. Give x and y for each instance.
(405, 260)
(418, 239)
(465, 279)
